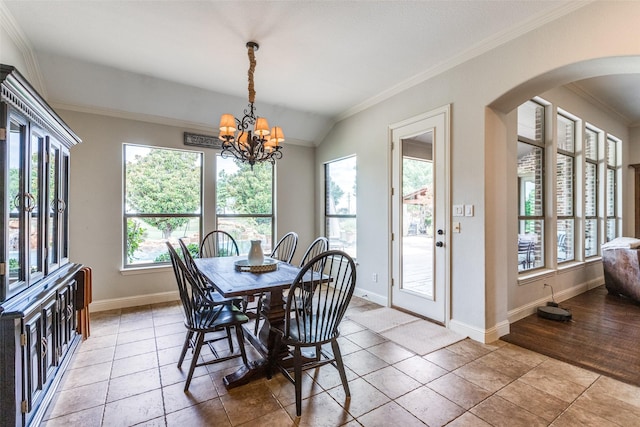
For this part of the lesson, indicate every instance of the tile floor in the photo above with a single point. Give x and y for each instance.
(125, 374)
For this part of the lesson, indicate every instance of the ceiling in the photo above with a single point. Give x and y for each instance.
(318, 61)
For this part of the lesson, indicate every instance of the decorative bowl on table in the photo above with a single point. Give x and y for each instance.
(269, 264)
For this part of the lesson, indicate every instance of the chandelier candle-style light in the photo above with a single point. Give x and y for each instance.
(238, 140)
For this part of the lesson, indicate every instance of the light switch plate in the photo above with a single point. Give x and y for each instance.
(458, 210)
(468, 210)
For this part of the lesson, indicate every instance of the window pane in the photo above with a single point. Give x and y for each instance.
(530, 161)
(341, 191)
(341, 233)
(566, 134)
(590, 193)
(611, 195)
(245, 229)
(530, 244)
(240, 190)
(564, 185)
(611, 229)
(146, 238)
(531, 121)
(565, 240)
(591, 237)
(611, 152)
(162, 201)
(591, 145)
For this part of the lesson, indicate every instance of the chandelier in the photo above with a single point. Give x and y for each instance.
(238, 140)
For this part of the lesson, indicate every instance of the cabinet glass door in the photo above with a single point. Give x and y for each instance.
(33, 205)
(53, 232)
(16, 223)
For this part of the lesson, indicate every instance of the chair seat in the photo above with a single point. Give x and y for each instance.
(217, 317)
(308, 332)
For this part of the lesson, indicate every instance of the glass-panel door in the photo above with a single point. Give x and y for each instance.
(16, 229)
(53, 232)
(33, 205)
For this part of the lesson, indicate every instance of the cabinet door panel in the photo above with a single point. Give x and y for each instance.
(34, 207)
(50, 356)
(33, 360)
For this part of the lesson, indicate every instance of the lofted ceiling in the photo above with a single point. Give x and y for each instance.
(318, 61)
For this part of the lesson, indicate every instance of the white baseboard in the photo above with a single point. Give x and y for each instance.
(116, 303)
(481, 335)
(528, 309)
(368, 295)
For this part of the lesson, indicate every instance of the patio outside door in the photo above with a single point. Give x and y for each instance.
(420, 223)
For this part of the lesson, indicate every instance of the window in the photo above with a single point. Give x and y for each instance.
(162, 201)
(591, 141)
(531, 220)
(565, 188)
(244, 202)
(340, 204)
(611, 187)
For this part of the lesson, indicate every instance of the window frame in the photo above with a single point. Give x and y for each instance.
(126, 265)
(595, 162)
(570, 256)
(327, 193)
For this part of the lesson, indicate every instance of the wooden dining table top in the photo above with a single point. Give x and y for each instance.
(222, 274)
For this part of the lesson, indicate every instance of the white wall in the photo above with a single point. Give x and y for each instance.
(480, 282)
(96, 203)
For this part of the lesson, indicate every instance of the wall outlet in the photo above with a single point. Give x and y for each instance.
(468, 210)
(374, 277)
(458, 210)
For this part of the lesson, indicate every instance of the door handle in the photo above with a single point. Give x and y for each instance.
(440, 232)
(439, 244)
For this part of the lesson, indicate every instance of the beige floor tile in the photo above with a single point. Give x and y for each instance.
(93, 357)
(172, 340)
(483, 376)
(366, 338)
(574, 417)
(347, 346)
(533, 400)
(390, 352)
(429, 407)
(90, 374)
(573, 373)
(279, 418)
(362, 362)
(390, 414)
(91, 417)
(420, 369)
(513, 368)
(460, 391)
(132, 384)
(283, 390)
(447, 359)
(364, 397)
(617, 389)
(523, 355)
(608, 407)
(134, 410)
(97, 342)
(130, 365)
(470, 348)
(256, 396)
(135, 335)
(156, 422)
(135, 348)
(171, 328)
(78, 399)
(468, 420)
(502, 413)
(200, 390)
(328, 377)
(206, 414)
(168, 319)
(392, 382)
(320, 410)
(349, 327)
(546, 380)
(135, 325)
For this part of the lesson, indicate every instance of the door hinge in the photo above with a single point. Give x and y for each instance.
(23, 340)
(3, 266)
(393, 237)
(3, 133)
(392, 191)
(23, 406)
(392, 282)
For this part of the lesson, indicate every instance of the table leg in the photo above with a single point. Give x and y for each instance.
(273, 313)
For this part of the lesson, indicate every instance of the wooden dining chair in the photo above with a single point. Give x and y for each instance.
(316, 304)
(316, 247)
(218, 243)
(282, 251)
(204, 319)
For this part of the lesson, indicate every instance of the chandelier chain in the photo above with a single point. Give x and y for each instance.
(252, 68)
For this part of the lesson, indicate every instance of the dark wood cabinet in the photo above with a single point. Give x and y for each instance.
(37, 281)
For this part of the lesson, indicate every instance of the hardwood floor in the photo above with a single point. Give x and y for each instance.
(603, 335)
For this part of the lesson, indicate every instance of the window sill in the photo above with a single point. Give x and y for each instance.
(534, 276)
(144, 270)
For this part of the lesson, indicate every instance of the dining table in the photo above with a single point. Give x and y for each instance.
(229, 276)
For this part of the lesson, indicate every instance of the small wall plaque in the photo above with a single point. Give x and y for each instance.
(202, 140)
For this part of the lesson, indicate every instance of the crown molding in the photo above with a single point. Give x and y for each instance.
(9, 24)
(478, 49)
(575, 88)
(209, 129)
